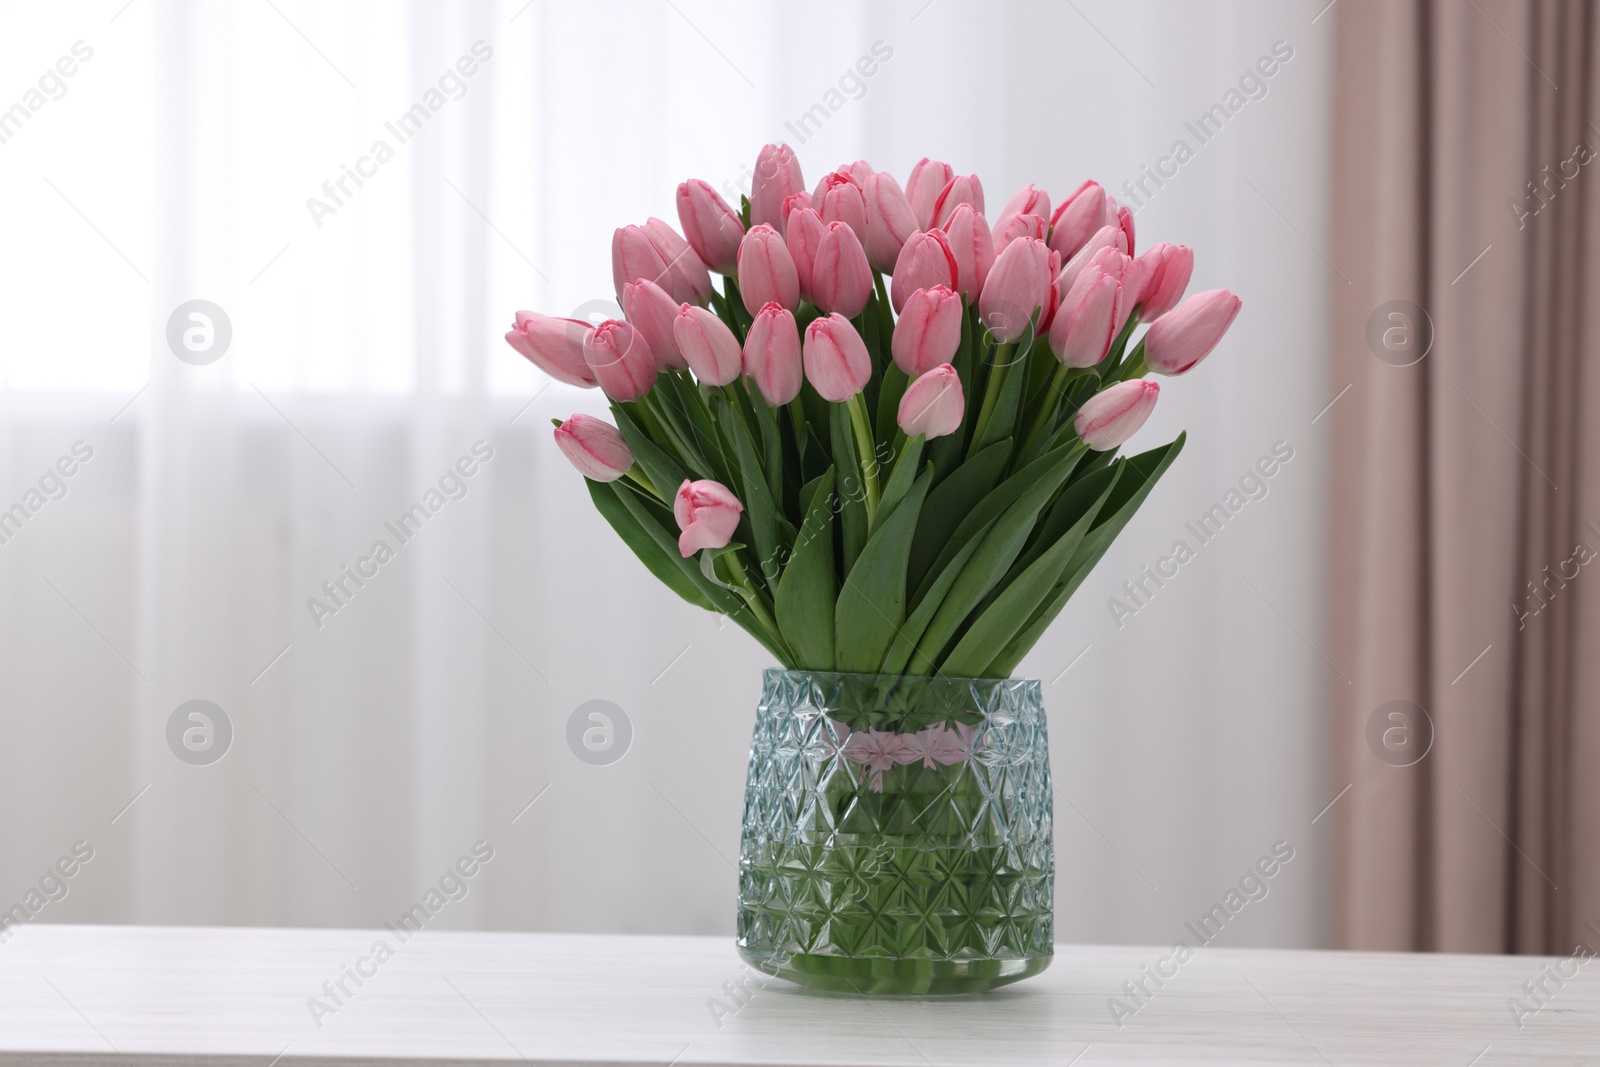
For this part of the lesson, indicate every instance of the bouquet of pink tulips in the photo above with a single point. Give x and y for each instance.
(888, 444)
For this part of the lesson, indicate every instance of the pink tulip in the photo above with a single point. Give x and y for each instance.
(1128, 272)
(1025, 201)
(961, 189)
(708, 346)
(890, 220)
(972, 246)
(687, 278)
(1024, 225)
(772, 354)
(802, 238)
(777, 176)
(621, 360)
(1104, 237)
(712, 227)
(1166, 272)
(553, 345)
(928, 179)
(595, 447)
(1077, 218)
(1119, 216)
(652, 311)
(928, 332)
(1187, 334)
(926, 260)
(1086, 323)
(791, 204)
(1113, 415)
(635, 256)
(766, 270)
(1017, 286)
(839, 199)
(707, 513)
(1052, 299)
(860, 170)
(933, 404)
(836, 361)
(841, 277)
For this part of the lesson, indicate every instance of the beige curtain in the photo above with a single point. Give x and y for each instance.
(1466, 512)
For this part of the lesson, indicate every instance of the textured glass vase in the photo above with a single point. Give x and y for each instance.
(897, 833)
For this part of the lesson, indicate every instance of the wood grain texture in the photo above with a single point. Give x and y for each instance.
(120, 995)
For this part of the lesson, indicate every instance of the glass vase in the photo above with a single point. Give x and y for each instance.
(897, 834)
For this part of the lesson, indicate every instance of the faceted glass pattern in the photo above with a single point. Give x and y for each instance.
(897, 833)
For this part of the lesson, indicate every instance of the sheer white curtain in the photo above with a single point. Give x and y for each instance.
(374, 745)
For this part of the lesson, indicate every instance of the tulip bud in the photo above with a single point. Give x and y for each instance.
(1113, 415)
(772, 354)
(802, 238)
(635, 256)
(926, 260)
(621, 360)
(1086, 322)
(1076, 220)
(928, 332)
(927, 181)
(860, 170)
(777, 176)
(1128, 272)
(1166, 271)
(1017, 286)
(553, 345)
(933, 404)
(687, 278)
(838, 198)
(835, 357)
(890, 220)
(972, 246)
(707, 513)
(595, 447)
(841, 277)
(1024, 225)
(712, 227)
(1119, 216)
(1025, 201)
(766, 270)
(1104, 237)
(1052, 299)
(708, 346)
(651, 311)
(1187, 334)
(791, 204)
(961, 189)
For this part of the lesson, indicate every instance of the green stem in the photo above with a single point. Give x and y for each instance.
(753, 598)
(868, 454)
(797, 416)
(1136, 367)
(1045, 421)
(637, 475)
(991, 393)
(1046, 414)
(885, 311)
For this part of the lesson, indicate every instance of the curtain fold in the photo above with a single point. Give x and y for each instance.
(1465, 494)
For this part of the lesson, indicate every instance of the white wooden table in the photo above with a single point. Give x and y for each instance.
(119, 995)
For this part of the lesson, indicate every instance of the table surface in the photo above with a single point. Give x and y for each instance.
(130, 995)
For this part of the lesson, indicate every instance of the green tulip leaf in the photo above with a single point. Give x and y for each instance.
(872, 604)
(1009, 612)
(950, 504)
(806, 592)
